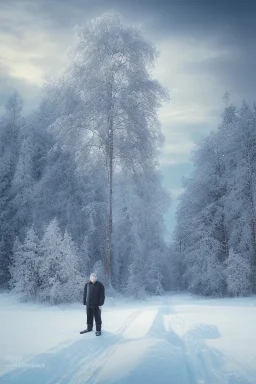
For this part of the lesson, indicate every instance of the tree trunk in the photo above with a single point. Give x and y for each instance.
(109, 226)
(223, 227)
(110, 184)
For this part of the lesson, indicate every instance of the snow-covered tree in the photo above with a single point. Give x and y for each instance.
(238, 273)
(23, 184)
(70, 287)
(242, 196)
(17, 268)
(51, 267)
(138, 243)
(59, 270)
(134, 286)
(216, 214)
(201, 221)
(154, 273)
(10, 127)
(27, 258)
(114, 100)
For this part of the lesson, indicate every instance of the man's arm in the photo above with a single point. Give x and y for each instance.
(85, 294)
(102, 295)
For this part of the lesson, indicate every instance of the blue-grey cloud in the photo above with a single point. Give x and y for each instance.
(234, 18)
(9, 84)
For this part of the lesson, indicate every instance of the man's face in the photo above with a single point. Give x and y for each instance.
(92, 278)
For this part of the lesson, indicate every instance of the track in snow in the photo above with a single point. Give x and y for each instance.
(150, 345)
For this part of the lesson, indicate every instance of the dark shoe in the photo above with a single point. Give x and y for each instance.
(98, 333)
(86, 330)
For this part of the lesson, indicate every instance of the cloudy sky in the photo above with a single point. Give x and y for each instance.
(206, 47)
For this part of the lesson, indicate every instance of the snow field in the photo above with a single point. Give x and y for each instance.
(178, 339)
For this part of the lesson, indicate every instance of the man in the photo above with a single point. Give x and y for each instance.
(94, 297)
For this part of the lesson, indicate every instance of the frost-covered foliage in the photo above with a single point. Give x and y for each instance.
(238, 274)
(139, 252)
(54, 169)
(27, 257)
(11, 126)
(215, 235)
(46, 269)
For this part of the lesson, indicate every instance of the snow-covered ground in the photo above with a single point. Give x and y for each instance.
(172, 339)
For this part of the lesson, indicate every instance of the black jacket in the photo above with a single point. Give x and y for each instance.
(94, 294)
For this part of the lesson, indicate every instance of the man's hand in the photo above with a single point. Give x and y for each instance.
(100, 308)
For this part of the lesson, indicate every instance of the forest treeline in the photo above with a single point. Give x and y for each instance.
(54, 175)
(214, 245)
(54, 183)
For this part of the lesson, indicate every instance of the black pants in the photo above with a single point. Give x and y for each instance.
(93, 313)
